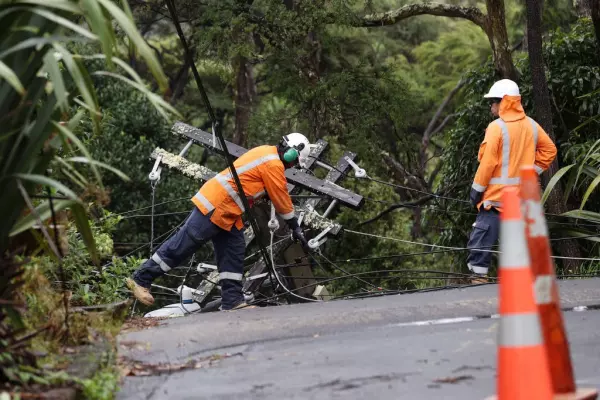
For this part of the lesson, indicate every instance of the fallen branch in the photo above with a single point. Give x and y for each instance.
(131, 367)
(27, 337)
(101, 307)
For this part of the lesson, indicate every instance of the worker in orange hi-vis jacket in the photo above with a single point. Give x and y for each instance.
(511, 141)
(217, 216)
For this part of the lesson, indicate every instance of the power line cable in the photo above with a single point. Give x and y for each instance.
(156, 215)
(219, 134)
(456, 248)
(437, 209)
(433, 195)
(145, 208)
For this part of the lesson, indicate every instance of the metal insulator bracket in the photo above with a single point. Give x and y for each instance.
(203, 267)
(154, 175)
(316, 242)
(358, 172)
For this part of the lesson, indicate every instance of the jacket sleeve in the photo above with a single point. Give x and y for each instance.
(276, 187)
(545, 153)
(489, 157)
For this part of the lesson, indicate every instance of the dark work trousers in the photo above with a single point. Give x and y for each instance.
(483, 236)
(197, 230)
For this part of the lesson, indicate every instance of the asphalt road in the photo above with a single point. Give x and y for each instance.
(418, 346)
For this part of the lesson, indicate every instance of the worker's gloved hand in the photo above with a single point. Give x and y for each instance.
(297, 234)
(475, 197)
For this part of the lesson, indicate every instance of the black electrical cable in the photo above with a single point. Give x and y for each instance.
(392, 184)
(426, 193)
(219, 134)
(156, 215)
(337, 278)
(344, 271)
(437, 209)
(146, 244)
(409, 291)
(145, 208)
(408, 276)
(287, 291)
(422, 253)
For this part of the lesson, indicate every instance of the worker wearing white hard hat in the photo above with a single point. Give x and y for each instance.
(512, 141)
(217, 216)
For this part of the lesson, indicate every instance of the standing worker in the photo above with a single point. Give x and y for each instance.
(217, 216)
(512, 141)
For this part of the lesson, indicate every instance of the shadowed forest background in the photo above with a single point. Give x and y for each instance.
(400, 83)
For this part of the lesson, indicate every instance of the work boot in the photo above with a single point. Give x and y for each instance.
(242, 306)
(140, 292)
(479, 279)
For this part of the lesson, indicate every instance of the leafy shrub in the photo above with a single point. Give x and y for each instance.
(89, 284)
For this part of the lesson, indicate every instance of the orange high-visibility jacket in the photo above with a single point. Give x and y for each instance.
(512, 141)
(259, 169)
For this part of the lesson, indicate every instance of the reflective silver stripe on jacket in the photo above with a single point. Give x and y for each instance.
(200, 197)
(504, 179)
(538, 169)
(289, 215)
(253, 164)
(518, 330)
(224, 179)
(234, 276)
(163, 265)
(479, 187)
(487, 203)
(230, 191)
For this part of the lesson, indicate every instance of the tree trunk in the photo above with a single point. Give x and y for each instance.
(498, 37)
(177, 84)
(543, 114)
(595, 11)
(245, 97)
(583, 7)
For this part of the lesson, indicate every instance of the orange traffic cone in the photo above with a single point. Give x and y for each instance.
(523, 372)
(546, 291)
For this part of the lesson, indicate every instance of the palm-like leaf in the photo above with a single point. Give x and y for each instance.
(41, 81)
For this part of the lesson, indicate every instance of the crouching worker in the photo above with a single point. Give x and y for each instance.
(217, 216)
(512, 141)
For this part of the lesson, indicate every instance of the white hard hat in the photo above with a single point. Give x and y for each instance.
(504, 87)
(301, 144)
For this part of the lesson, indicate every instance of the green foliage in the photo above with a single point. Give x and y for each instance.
(44, 92)
(103, 385)
(444, 60)
(131, 130)
(88, 284)
(581, 180)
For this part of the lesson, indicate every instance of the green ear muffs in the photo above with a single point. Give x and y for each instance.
(291, 155)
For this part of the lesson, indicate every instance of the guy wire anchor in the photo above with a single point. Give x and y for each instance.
(358, 172)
